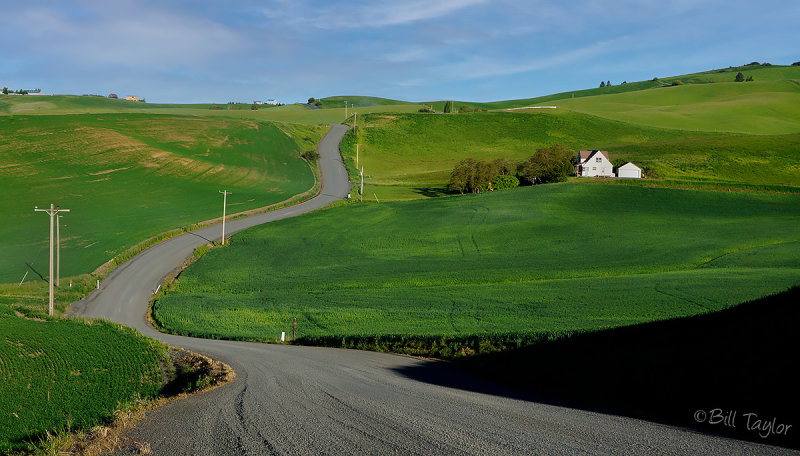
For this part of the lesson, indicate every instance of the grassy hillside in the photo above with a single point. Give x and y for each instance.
(69, 374)
(404, 155)
(759, 107)
(126, 177)
(539, 259)
(759, 73)
(362, 102)
(294, 113)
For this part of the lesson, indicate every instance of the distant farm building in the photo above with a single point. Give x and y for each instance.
(271, 102)
(113, 95)
(593, 163)
(132, 98)
(629, 171)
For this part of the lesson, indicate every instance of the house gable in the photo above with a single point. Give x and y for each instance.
(594, 163)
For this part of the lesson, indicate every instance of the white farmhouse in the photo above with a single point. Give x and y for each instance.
(594, 163)
(629, 171)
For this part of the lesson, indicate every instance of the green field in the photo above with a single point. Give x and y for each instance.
(548, 258)
(127, 177)
(67, 373)
(759, 107)
(288, 114)
(404, 155)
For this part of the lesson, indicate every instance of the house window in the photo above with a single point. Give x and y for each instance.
(594, 168)
(598, 159)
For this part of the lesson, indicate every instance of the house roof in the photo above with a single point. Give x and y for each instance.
(587, 154)
(629, 163)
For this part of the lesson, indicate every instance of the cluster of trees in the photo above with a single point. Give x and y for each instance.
(796, 64)
(606, 83)
(740, 78)
(315, 102)
(19, 92)
(548, 164)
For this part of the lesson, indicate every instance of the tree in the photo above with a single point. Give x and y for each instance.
(5, 90)
(448, 107)
(311, 100)
(504, 167)
(749, 79)
(602, 83)
(471, 176)
(739, 77)
(796, 64)
(462, 175)
(548, 164)
(608, 83)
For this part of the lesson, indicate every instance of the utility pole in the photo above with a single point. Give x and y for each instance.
(52, 212)
(345, 109)
(58, 251)
(356, 155)
(362, 184)
(355, 121)
(225, 194)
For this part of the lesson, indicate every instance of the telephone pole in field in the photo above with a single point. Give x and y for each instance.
(52, 212)
(225, 194)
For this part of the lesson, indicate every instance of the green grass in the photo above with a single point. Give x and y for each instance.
(362, 102)
(127, 177)
(291, 114)
(761, 107)
(63, 374)
(759, 73)
(405, 154)
(539, 259)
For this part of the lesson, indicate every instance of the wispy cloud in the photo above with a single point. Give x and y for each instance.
(370, 14)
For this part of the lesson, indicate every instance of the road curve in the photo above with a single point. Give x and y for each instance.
(290, 400)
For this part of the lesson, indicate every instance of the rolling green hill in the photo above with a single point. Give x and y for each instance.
(759, 107)
(362, 102)
(69, 374)
(549, 258)
(127, 177)
(405, 155)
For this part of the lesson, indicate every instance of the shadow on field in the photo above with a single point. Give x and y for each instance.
(727, 373)
(432, 192)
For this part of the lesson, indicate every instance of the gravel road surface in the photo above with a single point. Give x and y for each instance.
(289, 400)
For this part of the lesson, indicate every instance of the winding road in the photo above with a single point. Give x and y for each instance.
(290, 400)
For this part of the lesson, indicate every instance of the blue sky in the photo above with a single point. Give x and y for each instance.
(477, 50)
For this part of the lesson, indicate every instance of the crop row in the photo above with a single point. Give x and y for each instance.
(69, 373)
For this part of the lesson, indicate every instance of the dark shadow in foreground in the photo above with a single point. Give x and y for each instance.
(728, 373)
(433, 192)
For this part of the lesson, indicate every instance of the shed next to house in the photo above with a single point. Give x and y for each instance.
(630, 171)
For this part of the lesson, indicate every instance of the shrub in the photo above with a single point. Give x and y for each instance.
(504, 181)
(310, 155)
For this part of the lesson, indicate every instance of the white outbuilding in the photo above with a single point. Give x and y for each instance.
(629, 171)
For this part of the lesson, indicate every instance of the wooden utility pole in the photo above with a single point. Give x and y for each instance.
(225, 194)
(52, 212)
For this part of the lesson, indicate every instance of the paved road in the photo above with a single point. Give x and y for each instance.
(304, 400)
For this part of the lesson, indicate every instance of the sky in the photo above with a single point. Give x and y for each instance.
(217, 51)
